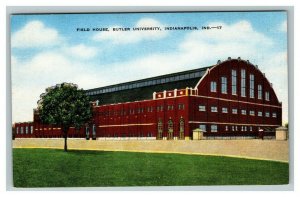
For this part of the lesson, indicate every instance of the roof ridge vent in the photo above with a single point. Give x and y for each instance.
(229, 58)
(239, 58)
(248, 61)
(219, 62)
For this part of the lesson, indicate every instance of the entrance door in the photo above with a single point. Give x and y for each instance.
(94, 132)
(87, 133)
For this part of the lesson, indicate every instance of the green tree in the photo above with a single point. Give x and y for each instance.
(65, 105)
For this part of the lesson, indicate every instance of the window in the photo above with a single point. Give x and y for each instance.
(259, 92)
(213, 86)
(160, 129)
(243, 83)
(226, 128)
(250, 128)
(203, 127)
(232, 128)
(267, 96)
(224, 85)
(26, 129)
(160, 108)
(213, 128)
(274, 115)
(252, 113)
(170, 107)
(267, 114)
(202, 108)
(180, 106)
(181, 128)
(170, 126)
(251, 86)
(234, 111)
(224, 110)
(243, 112)
(259, 113)
(22, 130)
(233, 82)
(31, 129)
(17, 130)
(213, 109)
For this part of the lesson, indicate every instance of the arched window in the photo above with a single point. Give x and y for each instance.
(170, 129)
(170, 125)
(160, 129)
(181, 128)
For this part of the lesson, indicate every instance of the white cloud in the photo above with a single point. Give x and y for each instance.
(283, 26)
(204, 48)
(29, 79)
(35, 34)
(198, 49)
(82, 51)
(125, 37)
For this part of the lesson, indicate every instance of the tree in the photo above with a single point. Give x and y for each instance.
(65, 105)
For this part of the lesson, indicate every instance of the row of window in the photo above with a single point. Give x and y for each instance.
(20, 130)
(214, 128)
(145, 83)
(141, 110)
(235, 111)
(213, 85)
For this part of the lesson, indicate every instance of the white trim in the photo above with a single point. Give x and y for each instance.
(126, 125)
(206, 73)
(230, 123)
(222, 99)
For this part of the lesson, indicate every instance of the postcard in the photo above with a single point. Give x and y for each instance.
(149, 99)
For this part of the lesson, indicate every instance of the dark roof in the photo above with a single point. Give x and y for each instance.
(143, 89)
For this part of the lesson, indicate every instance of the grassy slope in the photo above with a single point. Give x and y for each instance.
(55, 168)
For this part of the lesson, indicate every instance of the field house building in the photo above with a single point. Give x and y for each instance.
(232, 99)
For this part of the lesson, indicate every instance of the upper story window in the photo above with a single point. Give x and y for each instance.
(213, 86)
(31, 129)
(233, 82)
(213, 109)
(243, 112)
(202, 108)
(203, 127)
(267, 114)
(274, 115)
(234, 111)
(251, 86)
(170, 107)
(267, 96)
(224, 110)
(160, 108)
(243, 83)
(259, 113)
(180, 106)
(259, 92)
(252, 113)
(224, 85)
(214, 128)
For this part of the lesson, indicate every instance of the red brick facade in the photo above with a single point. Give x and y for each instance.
(216, 104)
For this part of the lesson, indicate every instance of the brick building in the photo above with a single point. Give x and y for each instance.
(230, 99)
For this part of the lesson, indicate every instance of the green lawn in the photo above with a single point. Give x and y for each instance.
(55, 168)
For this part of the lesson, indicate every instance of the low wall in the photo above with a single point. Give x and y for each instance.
(252, 148)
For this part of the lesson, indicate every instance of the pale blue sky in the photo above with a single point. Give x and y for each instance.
(47, 49)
